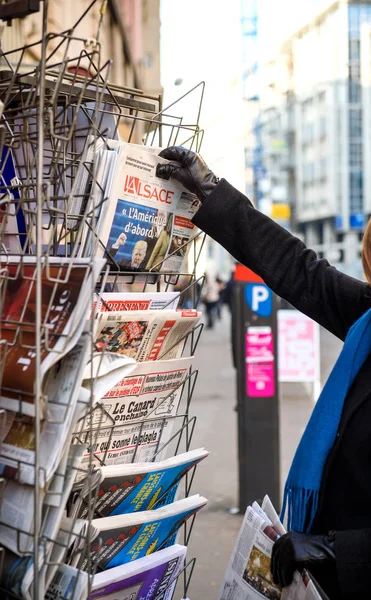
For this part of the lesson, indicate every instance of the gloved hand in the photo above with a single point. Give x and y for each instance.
(192, 171)
(297, 550)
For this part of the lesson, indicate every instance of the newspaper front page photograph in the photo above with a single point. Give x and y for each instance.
(146, 219)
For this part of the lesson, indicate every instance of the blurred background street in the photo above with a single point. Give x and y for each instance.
(215, 529)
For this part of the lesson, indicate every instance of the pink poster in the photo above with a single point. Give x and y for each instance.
(298, 347)
(259, 362)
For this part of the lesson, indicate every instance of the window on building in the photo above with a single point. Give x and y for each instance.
(354, 92)
(322, 168)
(322, 127)
(354, 49)
(356, 191)
(355, 154)
(355, 123)
(308, 133)
(354, 14)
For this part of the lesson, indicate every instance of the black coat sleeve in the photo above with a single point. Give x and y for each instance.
(353, 561)
(287, 266)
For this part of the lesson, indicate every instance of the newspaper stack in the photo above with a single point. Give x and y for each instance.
(248, 574)
(144, 222)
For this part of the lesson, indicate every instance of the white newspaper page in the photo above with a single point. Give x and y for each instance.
(64, 402)
(121, 301)
(248, 575)
(136, 416)
(69, 583)
(302, 588)
(147, 219)
(145, 335)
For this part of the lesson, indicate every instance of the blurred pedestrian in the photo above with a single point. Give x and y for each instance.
(210, 298)
(328, 490)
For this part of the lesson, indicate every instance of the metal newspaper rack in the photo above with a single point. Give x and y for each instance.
(47, 113)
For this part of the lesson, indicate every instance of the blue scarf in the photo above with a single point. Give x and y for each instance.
(304, 479)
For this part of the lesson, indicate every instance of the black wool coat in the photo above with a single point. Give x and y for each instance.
(335, 301)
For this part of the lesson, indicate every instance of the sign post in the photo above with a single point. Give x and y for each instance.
(255, 329)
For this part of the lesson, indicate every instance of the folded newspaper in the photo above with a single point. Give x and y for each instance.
(66, 292)
(248, 574)
(124, 538)
(17, 509)
(145, 223)
(17, 573)
(152, 577)
(121, 301)
(135, 420)
(145, 335)
(66, 402)
(134, 487)
(69, 583)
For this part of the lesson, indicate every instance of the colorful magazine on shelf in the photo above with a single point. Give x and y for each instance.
(66, 286)
(152, 577)
(124, 538)
(120, 489)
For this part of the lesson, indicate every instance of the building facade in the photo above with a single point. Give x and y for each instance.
(314, 109)
(129, 36)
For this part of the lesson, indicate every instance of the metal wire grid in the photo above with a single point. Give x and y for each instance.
(53, 108)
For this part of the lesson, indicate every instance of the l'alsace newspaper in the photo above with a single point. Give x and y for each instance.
(134, 487)
(248, 575)
(66, 290)
(145, 222)
(152, 577)
(124, 538)
(136, 418)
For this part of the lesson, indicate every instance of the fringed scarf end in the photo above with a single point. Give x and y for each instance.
(301, 505)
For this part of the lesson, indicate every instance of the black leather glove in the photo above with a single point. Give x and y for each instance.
(297, 550)
(192, 171)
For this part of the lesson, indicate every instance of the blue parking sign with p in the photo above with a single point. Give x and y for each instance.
(259, 298)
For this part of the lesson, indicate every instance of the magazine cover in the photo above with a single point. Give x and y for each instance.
(66, 286)
(135, 487)
(124, 538)
(147, 219)
(149, 578)
(12, 221)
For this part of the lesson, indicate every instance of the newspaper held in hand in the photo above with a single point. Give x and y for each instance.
(304, 587)
(136, 418)
(124, 538)
(146, 223)
(66, 286)
(248, 575)
(135, 487)
(145, 335)
(152, 577)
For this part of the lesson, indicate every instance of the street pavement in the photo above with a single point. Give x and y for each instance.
(214, 400)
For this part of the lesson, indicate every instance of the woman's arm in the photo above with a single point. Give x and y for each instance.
(287, 266)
